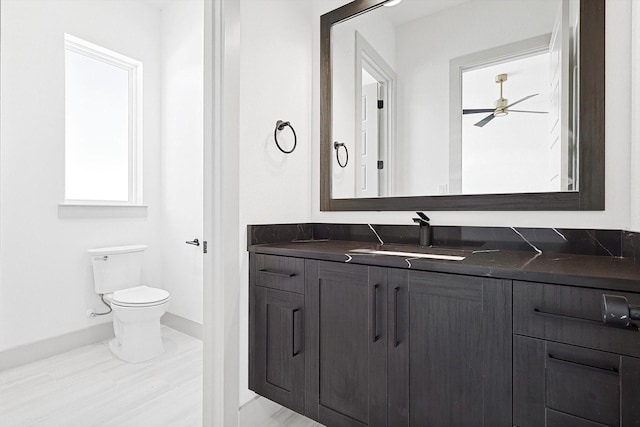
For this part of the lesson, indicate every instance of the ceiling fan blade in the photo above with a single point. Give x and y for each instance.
(522, 99)
(485, 120)
(528, 111)
(477, 110)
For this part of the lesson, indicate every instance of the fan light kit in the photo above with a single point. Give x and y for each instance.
(502, 105)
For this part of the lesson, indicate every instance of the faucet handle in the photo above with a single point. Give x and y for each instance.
(423, 218)
(425, 229)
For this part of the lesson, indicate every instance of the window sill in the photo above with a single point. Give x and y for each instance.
(80, 210)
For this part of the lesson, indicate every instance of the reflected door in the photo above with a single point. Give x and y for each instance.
(367, 154)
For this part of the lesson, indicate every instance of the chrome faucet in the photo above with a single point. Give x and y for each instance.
(425, 228)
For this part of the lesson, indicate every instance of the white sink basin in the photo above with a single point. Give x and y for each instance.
(409, 254)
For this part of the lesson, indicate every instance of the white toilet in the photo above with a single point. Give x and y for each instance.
(137, 309)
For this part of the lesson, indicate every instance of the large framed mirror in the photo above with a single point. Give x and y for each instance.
(462, 105)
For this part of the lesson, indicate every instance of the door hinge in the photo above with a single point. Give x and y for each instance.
(204, 247)
(380, 164)
(380, 104)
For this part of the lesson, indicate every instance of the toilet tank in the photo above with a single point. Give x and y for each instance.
(116, 268)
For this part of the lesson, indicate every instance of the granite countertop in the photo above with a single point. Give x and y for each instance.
(610, 272)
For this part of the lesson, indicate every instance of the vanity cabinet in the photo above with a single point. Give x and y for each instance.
(382, 346)
(449, 350)
(356, 345)
(570, 369)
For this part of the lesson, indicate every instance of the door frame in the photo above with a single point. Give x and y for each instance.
(368, 58)
(221, 266)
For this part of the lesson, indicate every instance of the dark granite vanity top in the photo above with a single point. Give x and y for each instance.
(610, 263)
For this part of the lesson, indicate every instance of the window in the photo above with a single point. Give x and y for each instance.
(103, 125)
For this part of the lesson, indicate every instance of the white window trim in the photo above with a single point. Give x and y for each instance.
(135, 71)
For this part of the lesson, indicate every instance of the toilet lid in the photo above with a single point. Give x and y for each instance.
(140, 295)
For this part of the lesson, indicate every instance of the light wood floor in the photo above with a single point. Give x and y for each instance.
(287, 418)
(90, 387)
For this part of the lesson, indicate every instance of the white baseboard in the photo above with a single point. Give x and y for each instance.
(180, 324)
(257, 412)
(27, 353)
(38, 350)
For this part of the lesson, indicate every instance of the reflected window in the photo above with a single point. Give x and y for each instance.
(505, 121)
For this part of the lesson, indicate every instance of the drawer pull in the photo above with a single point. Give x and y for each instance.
(374, 314)
(396, 342)
(295, 332)
(610, 370)
(592, 322)
(277, 274)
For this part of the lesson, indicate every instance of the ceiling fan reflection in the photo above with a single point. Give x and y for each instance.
(502, 107)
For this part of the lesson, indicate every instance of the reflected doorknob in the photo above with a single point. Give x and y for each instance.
(194, 242)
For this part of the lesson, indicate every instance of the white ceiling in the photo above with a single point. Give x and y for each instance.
(160, 4)
(525, 76)
(408, 10)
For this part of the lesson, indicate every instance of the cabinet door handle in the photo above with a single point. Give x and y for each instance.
(556, 316)
(374, 328)
(396, 342)
(295, 332)
(602, 369)
(275, 273)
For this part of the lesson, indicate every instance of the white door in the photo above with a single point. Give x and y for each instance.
(367, 147)
(182, 127)
(559, 101)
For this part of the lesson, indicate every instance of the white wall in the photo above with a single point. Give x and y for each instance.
(275, 82)
(182, 151)
(618, 146)
(46, 283)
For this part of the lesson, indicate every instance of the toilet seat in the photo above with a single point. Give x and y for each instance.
(140, 296)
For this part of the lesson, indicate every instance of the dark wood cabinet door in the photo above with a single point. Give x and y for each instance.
(560, 385)
(346, 365)
(451, 353)
(278, 353)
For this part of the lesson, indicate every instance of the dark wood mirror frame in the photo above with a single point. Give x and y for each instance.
(591, 172)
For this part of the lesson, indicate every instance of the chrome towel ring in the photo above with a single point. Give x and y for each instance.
(280, 125)
(337, 146)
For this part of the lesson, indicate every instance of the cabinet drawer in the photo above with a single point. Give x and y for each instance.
(585, 383)
(559, 419)
(571, 315)
(279, 272)
(560, 385)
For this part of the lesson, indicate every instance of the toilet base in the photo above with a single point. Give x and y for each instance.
(136, 352)
(137, 334)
